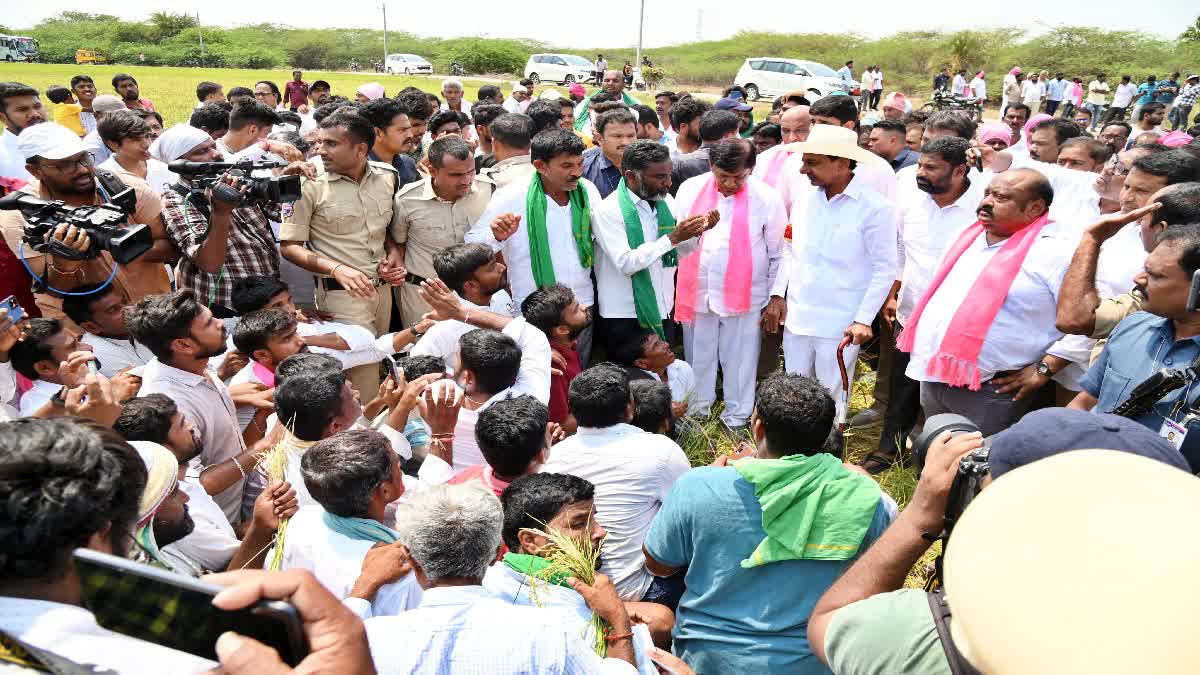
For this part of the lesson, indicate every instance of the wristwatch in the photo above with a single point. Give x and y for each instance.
(1043, 369)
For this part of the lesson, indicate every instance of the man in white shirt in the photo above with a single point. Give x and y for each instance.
(1032, 92)
(722, 289)
(772, 166)
(552, 243)
(352, 476)
(520, 97)
(20, 108)
(641, 243)
(62, 474)
(935, 209)
(978, 347)
(101, 315)
(249, 123)
(632, 470)
(452, 535)
(959, 87)
(1122, 99)
(1097, 98)
(37, 356)
(840, 264)
(477, 276)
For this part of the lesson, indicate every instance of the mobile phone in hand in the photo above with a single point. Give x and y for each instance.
(176, 611)
(16, 313)
(393, 369)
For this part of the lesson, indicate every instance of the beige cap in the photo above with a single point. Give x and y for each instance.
(107, 103)
(1085, 562)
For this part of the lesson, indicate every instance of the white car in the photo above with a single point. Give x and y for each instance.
(768, 77)
(407, 64)
(564, 68)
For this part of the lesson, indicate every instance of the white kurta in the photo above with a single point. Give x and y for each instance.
(564, 252)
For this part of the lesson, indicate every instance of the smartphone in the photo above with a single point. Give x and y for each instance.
(176, 611)
(394, 370)
(15, 312)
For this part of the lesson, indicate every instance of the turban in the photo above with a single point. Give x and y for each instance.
(1175, 139)
(995, 131)
(162, 475)
(1034, 121)
(577, 89)
(176, 142)
(372, 90)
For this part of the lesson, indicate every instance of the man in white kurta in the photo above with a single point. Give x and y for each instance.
(840, 262)
(719, 334)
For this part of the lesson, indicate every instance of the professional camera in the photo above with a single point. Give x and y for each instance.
(104, 223)
(971, 469)
(276, 189)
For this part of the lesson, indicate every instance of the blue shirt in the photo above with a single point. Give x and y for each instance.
(1162, 95)
(1140, 346)
(847, 76)
(601, 172)
(1145, 92)
(735, 620)
(1055, 89)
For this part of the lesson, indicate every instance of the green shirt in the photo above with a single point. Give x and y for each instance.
(886, 634)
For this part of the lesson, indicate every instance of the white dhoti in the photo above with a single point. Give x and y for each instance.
(733, 342)
(817, 357)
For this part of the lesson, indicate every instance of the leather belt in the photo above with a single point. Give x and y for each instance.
(331, 284)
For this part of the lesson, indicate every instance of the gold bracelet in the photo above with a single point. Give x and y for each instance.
(50, 264)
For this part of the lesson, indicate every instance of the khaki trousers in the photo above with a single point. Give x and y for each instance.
(374, 314)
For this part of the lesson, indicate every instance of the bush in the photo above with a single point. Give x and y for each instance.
(486, 56)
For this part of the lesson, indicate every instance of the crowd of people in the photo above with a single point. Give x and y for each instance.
(436, 398)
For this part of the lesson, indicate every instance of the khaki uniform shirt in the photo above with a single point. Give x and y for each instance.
(1110, 313)
(135, 280)
(511, 170)
(426, 224)
(345, 221)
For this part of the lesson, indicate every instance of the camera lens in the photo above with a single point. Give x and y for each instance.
(935, 426)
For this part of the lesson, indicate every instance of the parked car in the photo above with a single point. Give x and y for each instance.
(563, 68)
(407, 64)
(768, 77)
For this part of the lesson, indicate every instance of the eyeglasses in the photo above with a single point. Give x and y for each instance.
(64, 165)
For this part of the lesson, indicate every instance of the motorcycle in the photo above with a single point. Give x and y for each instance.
(354, 67)
(945, 100)
(457, 69)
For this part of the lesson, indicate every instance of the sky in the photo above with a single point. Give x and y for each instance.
(613, 23)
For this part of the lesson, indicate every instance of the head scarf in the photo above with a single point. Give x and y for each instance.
(372, 90)
(1034, 121)
(1175, 139)
(979, 74)
(576, 89)
(176, 142)
(995, 130)
(897, 100)
(162, 475)
(1015, 70)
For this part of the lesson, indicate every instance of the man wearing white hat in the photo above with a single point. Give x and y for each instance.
(840, 262)
(62, 169)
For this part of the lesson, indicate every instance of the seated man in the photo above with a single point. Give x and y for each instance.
(352, 476)
(266, 337)
(555, 311)
(652, 407)
(512, 435)
(68, 484)
(46, 344)
(452, 535)
(647, 352)
(752, 582)
(563, 505)
(102, 317)
(632, 470)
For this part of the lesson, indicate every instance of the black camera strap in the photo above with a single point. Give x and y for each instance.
(194, 198)
(941, 619)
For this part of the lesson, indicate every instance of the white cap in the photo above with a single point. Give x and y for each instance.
(50, 141)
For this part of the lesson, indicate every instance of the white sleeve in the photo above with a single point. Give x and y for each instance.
(614, 242)
(441, 340)
(399, 443)
(360, 607)
(880, 233)
(434, 471)
(776, 226)
(8, 383)
(481, 231)
(533, 378)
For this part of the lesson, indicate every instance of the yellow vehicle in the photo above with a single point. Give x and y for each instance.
(90, 56)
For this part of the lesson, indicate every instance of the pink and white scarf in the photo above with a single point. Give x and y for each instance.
(739, 269)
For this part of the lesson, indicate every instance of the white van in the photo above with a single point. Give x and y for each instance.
(768, 77)
(564, 68)
(407, 64)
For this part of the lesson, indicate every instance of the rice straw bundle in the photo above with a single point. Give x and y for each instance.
(571, 558)
(274, 463)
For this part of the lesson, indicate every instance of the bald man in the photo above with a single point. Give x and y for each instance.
(992, 384)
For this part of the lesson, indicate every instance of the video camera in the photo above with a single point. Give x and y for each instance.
(104, 223)
(276, 189)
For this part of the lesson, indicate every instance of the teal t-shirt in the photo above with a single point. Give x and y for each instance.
(1145, 92)
(735, 620)
(886, 634)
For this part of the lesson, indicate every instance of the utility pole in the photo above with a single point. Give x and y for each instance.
(385, 51)
(641, 21)
(200, 32)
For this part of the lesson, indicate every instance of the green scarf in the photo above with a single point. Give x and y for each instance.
(583, 110)
(534, 566)
(645, 300)
(539, 240)
(362, 529)
(813, 508)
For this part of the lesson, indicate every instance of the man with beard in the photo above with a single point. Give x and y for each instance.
(127, 88)
(613, 83)
(641, 243)
(685, 117)
(1015, 116)
(555, 311)
(978, 336)
(544, 226)
(394, 137)
(20, 108)
(1115, 135)
(183, 335)
(1047, 138)
(432, 215)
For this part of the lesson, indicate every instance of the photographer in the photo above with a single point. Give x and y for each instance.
(868, 623)
(1163, 335)
(64, 171)
(220, 242)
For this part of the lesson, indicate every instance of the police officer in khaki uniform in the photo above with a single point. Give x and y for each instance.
(434, 214)
(338, 231)
(511, 136)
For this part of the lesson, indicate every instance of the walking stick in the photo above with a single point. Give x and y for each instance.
(845, 395)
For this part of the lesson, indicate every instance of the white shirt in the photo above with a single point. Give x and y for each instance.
(72, 633)
(38, 396)
(633, 471)
(926, 231)
(511, 104)
(204, 401)
(116, 354)
(616, 263)
(12, 162)
(466, 629)
(960, 85)
(1124, 95)
(978, 88)
(336, 561)
(681, 380)
(213, 542)
(1033, 92)
(1075, 196)
(442, 338)
(465, 105)
(841, 261)
(158, 176)
(1137, 131)
(767, 222)
(563, 251)
(1023, 328)
(1098, 97)
(794, 187)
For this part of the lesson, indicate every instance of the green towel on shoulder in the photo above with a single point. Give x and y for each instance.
(813, 508)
